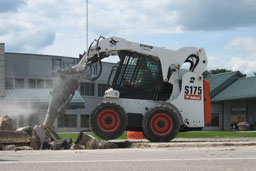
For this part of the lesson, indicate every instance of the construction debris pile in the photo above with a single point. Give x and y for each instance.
(42, 137)
(5, 122)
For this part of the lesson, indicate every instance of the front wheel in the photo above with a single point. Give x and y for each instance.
(108, 121)
(160, 124)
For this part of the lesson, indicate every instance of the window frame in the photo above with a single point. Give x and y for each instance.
(87, 89)
(67, 121)
(101, 89)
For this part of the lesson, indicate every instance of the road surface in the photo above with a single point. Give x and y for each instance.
(159, 159)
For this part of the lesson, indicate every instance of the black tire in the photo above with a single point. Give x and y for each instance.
(108, 121)
(161, 124)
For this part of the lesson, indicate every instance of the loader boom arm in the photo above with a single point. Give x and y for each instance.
(168, 58)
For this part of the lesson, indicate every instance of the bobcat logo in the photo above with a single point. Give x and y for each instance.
(192, 80)
(113, 42)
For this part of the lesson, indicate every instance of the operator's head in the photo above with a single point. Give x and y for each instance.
(143, 63)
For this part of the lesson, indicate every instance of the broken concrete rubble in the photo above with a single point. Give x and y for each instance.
(107, 145)
(45, 134)
(42, 137)
(35, 141)
(14, 137)
(34, 138)
(38, 137)
(23, 148)
(6, 123)
(8, 147)
(86, 141)
(52, 134)
(61, 144)
(26, 129)
(15, 148)
(42, 134)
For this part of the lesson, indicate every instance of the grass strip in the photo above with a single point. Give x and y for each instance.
(214, 134)
(190, 134)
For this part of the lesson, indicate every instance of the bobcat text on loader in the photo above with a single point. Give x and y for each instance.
(148, 90)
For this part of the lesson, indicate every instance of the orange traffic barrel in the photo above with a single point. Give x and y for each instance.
(131, 135)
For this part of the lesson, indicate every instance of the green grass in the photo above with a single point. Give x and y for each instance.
(191, 134)
(72, 135)
(214, 134)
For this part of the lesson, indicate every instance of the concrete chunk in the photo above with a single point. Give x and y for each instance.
(61, 144)
(13, 137)
(6, 122)
(35, 141)
(86, 141)
(26, 129)
(23, 148)
(46, 135)
(9, 148)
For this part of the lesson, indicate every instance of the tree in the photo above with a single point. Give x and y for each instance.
(218, 71)
(254, 73)
(206, 73)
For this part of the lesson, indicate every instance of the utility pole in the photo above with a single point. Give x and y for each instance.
(87, 25)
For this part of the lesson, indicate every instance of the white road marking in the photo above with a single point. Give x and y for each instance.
(108, 161)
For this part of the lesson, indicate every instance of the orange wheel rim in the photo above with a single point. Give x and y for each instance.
(108, 120)
(161, 124)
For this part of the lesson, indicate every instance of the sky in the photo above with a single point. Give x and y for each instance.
(226, 29)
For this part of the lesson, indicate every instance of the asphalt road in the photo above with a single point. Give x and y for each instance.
(160, 159)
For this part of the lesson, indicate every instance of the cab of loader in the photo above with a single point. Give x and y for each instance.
(139, 76)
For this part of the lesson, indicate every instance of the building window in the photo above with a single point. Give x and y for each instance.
(67, 121)
(84, 121)
(40, 84)
(14, 83)
(215, 119)
(19, 83)
(32, 83)
(9, 83)
(238, 113)
(101, 89)
(87, 89)
(48, 84)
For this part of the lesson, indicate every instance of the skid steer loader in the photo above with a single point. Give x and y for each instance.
(149, 90)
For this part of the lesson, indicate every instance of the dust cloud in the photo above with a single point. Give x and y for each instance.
(25, 114)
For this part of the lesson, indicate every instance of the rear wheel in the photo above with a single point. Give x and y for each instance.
(160, 124)
(108, 121)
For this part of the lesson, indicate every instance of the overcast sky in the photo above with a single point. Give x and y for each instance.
(225, 28)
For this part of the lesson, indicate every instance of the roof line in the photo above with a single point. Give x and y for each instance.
(232, 99)
(246, 77)
(226, 83)
(43, 55)
(238, 72)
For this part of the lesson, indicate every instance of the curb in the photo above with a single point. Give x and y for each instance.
(188, 143)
